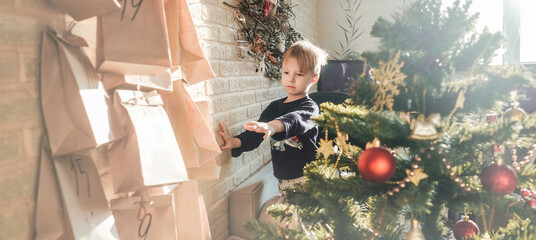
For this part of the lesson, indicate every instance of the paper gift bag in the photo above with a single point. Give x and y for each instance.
(192, 129)
(73, 100)
(81, 9)
(134, 40)
(49, 218)
(76, 208)
(193, 63)
(175, 106)
(191, 213)
(209, 168)
(149, 156)
(161, 81)
(202, 130)
(206, 172)
(147, 217)
(84, 199)
(87, 30)
(171, 8)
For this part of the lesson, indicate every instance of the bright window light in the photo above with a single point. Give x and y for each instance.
(490, 16)
(491, 12)
(527, 31)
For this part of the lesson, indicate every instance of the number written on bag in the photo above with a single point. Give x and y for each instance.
(76, 167)
(145, 217)
(134, 5)
(148, 225)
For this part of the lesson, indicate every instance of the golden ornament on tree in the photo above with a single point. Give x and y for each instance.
(486, 236)
(341, 141)
(425, 129)
(415, 232)
(515, 113)
(326, 148)
(417, 176)
(387, 79)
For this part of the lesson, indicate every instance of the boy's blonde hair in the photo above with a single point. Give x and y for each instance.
(310, 57)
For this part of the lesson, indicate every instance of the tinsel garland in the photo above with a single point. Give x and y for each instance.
(267, 35)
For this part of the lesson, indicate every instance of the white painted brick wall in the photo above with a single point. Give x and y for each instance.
(208, 32)
(247, 68)
(230, 101)
(254, 110)
(238, 115)
(214, 105)
(231, 52)
(248, 98)
(219, 219)
(237, 84)
(242, 174)
(215, 51)
(254, 83)
(217, 86)
(229, 68)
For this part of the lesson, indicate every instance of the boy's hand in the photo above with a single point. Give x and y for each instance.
(261, 127)
(229, 142)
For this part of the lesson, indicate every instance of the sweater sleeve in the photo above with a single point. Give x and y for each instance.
(251, 140)
(298, 121)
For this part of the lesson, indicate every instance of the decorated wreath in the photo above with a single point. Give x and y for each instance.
(265, 28)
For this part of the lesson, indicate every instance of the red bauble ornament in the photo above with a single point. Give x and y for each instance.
(465, 229)
(525, 192)
(501, 179)
(376, 165)
(532, 204)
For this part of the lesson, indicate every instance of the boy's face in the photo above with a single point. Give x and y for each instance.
(296, 82)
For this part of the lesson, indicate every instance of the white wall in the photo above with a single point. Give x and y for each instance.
(331, 13)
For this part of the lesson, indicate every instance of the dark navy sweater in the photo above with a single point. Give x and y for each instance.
(294, 147)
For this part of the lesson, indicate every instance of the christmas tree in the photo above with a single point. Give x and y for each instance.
(436, 134)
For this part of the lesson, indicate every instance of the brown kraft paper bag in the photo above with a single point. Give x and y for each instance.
(192, 129)
(191, 213)
(82, 9)
(193, 62)
(145, 217)
(134, 41)
(171, 8)
(74, 103)
(50, 222)
(161, 81)
(84, 209)
(209, 169)
(149, 155)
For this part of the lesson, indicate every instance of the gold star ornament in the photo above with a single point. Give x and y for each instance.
(389, 78)
(417, 176)
(341, 141)
(326, 148)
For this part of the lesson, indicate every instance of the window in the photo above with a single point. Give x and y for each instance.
(489, 10)
(514, 18)
(527, 33)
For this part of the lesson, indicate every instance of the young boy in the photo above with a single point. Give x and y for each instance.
(287, 121)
